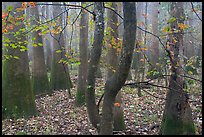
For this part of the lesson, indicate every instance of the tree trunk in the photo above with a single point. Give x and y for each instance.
(39, 77)
(112, 57)
(177, 116)
(60, 78)
(115, 83)
(96, 50)
(17, 96)
(155, 42)
(83, 47)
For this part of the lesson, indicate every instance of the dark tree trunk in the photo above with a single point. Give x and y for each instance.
(115, 83)
(92, 108)
(112, 58)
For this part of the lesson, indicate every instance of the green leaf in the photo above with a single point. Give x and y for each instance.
(58, 51)
(13, 46)
(171, 20)
(191, 82)
(15, 57)
(9, 8)
(33, 39)
(6, 40)
(40, 44)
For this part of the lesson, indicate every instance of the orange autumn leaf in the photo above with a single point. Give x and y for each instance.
(33, 4)
(141, 60)
(24, 4)
(117, 104)
(19, 9)
(4, 15)
(4, 30)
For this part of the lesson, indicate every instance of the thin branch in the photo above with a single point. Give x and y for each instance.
(114, 11)
(191, 78)
(195, 12)
(152, 94)
(71, 5)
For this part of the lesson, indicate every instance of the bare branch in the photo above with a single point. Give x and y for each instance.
(195, 11)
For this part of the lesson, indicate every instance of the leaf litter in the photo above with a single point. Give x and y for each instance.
(59, 116)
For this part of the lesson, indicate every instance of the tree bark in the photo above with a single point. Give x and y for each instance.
(39, 77)
(60, 78)
(177, 116)
(17, 96)
(96, 50)
(112, 58)
(83, 49)
(115, 83)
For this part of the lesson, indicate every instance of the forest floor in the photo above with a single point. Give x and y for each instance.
(58, 114)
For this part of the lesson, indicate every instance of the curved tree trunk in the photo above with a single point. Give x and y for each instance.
(17, 95)
(96, 50)
(112, 57)
(177, 117)
(115, 83)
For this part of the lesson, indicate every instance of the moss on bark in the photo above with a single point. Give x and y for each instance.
(177, 127)
(17, 96)
(59, 79)
(80, 98)
(119, 123)
(40, 85)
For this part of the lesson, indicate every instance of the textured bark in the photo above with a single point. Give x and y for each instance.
(60, 78)
(115, 83)
(39, 76)
(83, 49)
(177, 116)
(17, 95)
(93, 65)
(112, 58)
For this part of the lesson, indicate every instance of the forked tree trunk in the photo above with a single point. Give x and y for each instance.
(177, 117)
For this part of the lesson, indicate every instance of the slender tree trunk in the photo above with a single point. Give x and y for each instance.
(112, 57)
(83, 49)
(17, 96)
(96, 50)
(155, 43)
(177, 116)
(115, 83)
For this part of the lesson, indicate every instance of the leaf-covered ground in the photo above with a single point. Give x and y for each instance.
(58, 115)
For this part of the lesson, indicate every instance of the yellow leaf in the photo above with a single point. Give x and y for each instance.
(190, 72)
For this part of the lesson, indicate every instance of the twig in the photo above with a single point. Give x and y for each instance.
(153, 95)
(195, 11)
